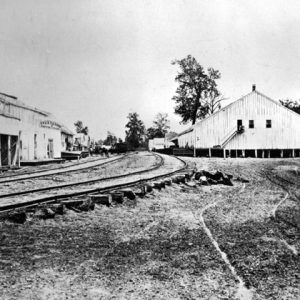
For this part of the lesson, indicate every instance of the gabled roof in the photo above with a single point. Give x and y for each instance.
(240, 99)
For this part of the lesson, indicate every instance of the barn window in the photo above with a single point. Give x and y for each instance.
(251, 123)
(268, 123)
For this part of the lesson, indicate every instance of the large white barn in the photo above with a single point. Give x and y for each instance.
(253, 125)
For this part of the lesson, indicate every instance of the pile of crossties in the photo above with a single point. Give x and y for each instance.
(190, 178)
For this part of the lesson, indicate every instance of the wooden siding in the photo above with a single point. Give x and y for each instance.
(27, 120)
(284, 134)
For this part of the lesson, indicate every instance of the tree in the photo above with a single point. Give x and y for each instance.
(160, 126)
(80, 128)
(161, 123)
(110, 140)
(136, 130)
(195, 87)
(213, 103)
(293, 105)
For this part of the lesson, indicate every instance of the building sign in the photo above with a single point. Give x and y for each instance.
(50, 124)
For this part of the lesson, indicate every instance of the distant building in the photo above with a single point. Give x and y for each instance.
(81, 142)
(159, 143)
(67, 138)
(26, 133)
(185, 139)
(253, 125)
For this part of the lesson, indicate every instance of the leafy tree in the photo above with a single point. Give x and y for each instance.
(136, 130)
(160, 126)
(110, 140)
(293, 105)
(80, 128)
(195, 87)
(152, 133)
(161, 123)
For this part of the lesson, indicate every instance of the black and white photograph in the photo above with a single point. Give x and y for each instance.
(149, 149)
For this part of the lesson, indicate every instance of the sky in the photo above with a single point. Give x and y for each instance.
(98, 60)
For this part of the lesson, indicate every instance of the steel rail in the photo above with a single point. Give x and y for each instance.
(60, 170)
(90, 181)
(51, 169)
(63, 196)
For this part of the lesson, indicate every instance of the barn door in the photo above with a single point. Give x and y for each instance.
(50, 151)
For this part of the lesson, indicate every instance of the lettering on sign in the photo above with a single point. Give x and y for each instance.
(50, 124)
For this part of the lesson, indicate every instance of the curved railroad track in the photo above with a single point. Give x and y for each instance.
(167, 166)
(60, 170)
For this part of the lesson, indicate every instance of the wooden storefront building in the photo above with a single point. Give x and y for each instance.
(26, 133)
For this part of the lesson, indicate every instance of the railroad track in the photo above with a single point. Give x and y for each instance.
(61, 170)
(281, 182)
(164, 168)
(286, 185)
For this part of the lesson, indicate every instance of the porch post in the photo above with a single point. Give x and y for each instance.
(19, 149)
(255, 151)
(209, 152)
(9, 150)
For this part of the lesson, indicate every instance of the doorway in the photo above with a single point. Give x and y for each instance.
(50, 151)
(4, 149)
(239, 125)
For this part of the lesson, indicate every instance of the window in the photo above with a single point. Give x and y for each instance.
(268, 123)
(251, 123)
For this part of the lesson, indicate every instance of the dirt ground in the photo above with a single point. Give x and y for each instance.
(156, 247)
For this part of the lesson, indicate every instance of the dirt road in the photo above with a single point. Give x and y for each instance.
(157, 248)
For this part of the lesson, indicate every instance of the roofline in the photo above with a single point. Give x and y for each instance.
(184, 132)
(9, 116)
(10, 96)
(66, 130)
(261, 94)
(278, 103)
(44, 113)
(222, 109)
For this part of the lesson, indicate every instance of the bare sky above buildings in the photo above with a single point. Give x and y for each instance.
(96, 61)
